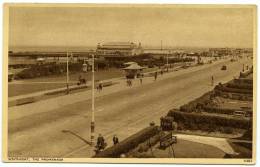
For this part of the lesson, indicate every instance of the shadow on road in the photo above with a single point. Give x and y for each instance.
(74, 134)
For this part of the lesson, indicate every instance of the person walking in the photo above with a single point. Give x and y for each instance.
(212, 80)
(115, 140)
(155, 76)
(100, 86)
(141, 80)
(130, 82)
(100, 142)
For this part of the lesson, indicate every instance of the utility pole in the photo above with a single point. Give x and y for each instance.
(92, 125)
(168, 62)
(67, 73)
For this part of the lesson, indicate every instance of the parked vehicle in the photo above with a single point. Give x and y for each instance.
(224, 67)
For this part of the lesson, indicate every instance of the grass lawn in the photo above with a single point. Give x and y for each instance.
(47, 83)
(20, 89)
(185, 149)
(99, 75)
(27, 86)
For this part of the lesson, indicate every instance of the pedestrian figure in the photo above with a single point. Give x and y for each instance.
(130, 83)
(161, 72)
(100, 86)
(127, 82)
(100, 142)
(141, 81)
(115, 140)
(155, 76)
(212, 80)
(81, 80)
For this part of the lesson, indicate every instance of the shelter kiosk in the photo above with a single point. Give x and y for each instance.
(133, 71)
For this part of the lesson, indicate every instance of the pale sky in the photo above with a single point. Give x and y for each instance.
(86, 26)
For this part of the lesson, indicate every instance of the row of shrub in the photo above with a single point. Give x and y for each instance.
(142, 150)
(228, 111)
(205, 128)
(242, 80)
(47, 69)
(211, 109)
(234, 96)
(224, 88)
(194, 119)
(129, 143)
(15, 66)
(239, 85)
(192, 105)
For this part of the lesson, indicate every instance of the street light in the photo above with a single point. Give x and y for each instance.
(92, 124)
(67, 81)
(168, 62)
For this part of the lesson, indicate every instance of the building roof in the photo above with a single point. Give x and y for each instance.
(134, 67)
(120, 45)
(130, 63)
(40, 59)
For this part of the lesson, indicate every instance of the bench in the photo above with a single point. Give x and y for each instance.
(108, 83)
(25, 100)
(167, 140)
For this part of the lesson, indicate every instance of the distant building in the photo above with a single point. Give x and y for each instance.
(215, 52)
(119, 49)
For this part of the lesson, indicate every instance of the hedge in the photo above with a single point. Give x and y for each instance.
(240, 85)
(235, 96)
(234, 90)
(47, 69)
(210, 109)
(212, 121)
(192, 105)
(243, 81)
(129, 143)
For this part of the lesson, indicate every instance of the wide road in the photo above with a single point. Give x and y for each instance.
(58, 127)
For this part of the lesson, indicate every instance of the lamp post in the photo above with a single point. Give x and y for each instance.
(92, 125)
(67, 80)
(161, 45)
(167, 63)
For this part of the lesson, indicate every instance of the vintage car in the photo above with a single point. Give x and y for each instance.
(224, 67)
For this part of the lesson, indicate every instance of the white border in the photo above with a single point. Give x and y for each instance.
(257, 2)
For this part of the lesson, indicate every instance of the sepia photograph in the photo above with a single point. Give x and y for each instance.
(132, 83)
